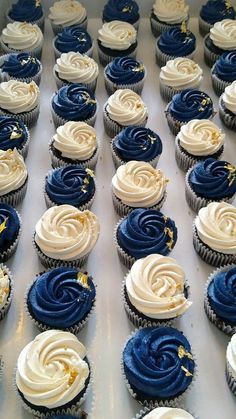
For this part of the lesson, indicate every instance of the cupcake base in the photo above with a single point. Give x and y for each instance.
(123, 209)
(218, 84)
(59, 28)
(168, 92)
(204, 27)
(227, 117)
(105, 59)
(28, 118)
(60, 83)
(58, 120)
(5, 308)
(112, 128)
(230, 379)
(162, 58)
(14, 198)
(36, 52)
(59, 161)
(112, 87)
(118, 161)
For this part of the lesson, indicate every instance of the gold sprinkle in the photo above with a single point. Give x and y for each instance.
(182, 352)
(187, 372)
(88, 99)
(16, 133)
(152, 139)
(200, 109)
(73, 376)
(232, 173)
(138, 69)
(130, 33)
(38, 3)
(127, 9)
(204, 102)
(3, 226)
(90, 172)
(86, 181)
(29, 59)
(83, 189)
(170, 234)
(32, 88)
(6, 290)
(183, 27)
(228, 4)
(215, 137)
(83, 279)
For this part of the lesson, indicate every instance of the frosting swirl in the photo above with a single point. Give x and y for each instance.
(181, 73)
(171, 11)
(67, 13)
(168, 413)
(214, 11)
(117, 35)
(223, 34)
(225, 66)
(201, 137)
(51, 370)
(126, 108)
(75, 140)
(13, 172)
(191, 104)
(144, 232)
(76, 68)
(59, 298)
(22, 36)
(216, 227)
(9, 226)
(21, 65)
(26, 11)
(158, 362)
(138, 184)
(229, 97)
(13, 133)
(73, 39)
(4, 286)
(19, 97)
(176, 42)
(213, 179)
(124, 10)
(155, 287)
(125, 70)
(231, 355)
(65, 233)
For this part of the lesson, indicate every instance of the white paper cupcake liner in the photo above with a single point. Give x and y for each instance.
(105, 59)
(126, 259)
(28, 118)
(146, 410)
(60, 162)
(123, 209)
(168, 92)
(118, 161)
(226, 117)
(218, 84)
(35, 52)
(162, 58)
(58, 53)
(8, 253)
(59, 28)
(204, 27)
(209, 56)
(39, 22)
(60, 83)
(158, 27)
(112, 87)
(5, 308)
(58, 120)
(14, 198)
(230, 379)
(6, 77)
(112, 128)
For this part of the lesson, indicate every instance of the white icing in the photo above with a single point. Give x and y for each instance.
(171, 11)
(223, 34)
(76, 68)
(22, 36)
(181, 73)
(13, 172)
(229, 97)
(18, 97)
(4, 288)
(231, 356)
(126, 108)
(168, 413)
(117, 35)
(67, 13)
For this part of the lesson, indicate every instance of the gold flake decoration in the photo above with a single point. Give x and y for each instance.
(86, 181)
(138, 69)
(83, 189)
(32, 88)
(28, 60)
(3, 225)
(88, 99)
(16, 132)
(232, 173)
(127, 9)
(170, 234)
(182, 353)
(90, 172)
(200, 109)
(152, 139)
(228, 4)
(82, 277)
(215, 137)
(183, 27)
(37, 3)
(187, 372)
(81, 38)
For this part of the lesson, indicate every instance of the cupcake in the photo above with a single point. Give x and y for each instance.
(210, 180)
(6, 289)
(158, 365)
(73, 67)
(168, 14)
(223, 72)
(64, 236)
(122, 109)
(74, 143)
(187, 105)
(124, 73)
(196, 141)
(124, 10)
(214, 234)
(10, 229)
(72, 185)
(138, 185)
(61, 298)
(222, 38)
(154, 291)
(26, 11)
(14, 134)
(142, 233)
(177, 75)
(20, 100)
(214, 11)
(53, 374)
(13, 177)
(136, 143)
(227, 106)
(176, 42)
(220, 299)
(22, 37)
(73, 40)
(116, 39)
(230, 364)
(75, 102)
(67, 13)
(164, 412)
(22, 67)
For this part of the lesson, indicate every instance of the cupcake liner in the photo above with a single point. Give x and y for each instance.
(14, 198)
(1, 367)
(6, 77)
(28, 118)
(204, 27)
(60, 83)
(35, 52)
(58, 120)
(8, 253)
(209, 56)
(218, 84)
(58, 53)
(230, 379)
(126, 259)
(118, 161)
(210, 256)
(60, 162)
(158, 27)
(59, 28)
(111, 87)
(112, 128)
(39, 22)
(123, 209)
(146, 410)
(5, 308)
(162, 58)
(105, 59)
(168, 92)
(228, 119)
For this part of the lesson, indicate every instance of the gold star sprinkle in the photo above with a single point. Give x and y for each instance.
(182, 352)
(29, 59)
(187, 372)
(3, 226)
(170, 234)
(215, 137)
(83, 279)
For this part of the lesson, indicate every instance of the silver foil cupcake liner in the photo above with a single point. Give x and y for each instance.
(105, 59)
(226, 117)
(112, 87)
(5, 308)
(38, 22)
(58, 53)
(8, 253)
(230, 379)
(112, 128)
(36, 52)
(59, 28)
(204, 27)
(28, 118)
(118, 161)
(58, 120)
(162, 58)
(6, 77)
(123, 209)
(14, 198)
(126, 259)
(146, 410)
(60, 83)
(158, 27)
(209, 56)
(218, 84)
(60, 162)
(168, 92)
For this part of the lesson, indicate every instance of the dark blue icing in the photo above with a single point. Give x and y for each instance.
(191, 104)
(215, 10)
(137, 143)
(125, 70)
(73, 39)
(222, 295)
(21, 65)
(26, 11)
(75, 102)
(72, 185)
(58, 299)
(13, 133)
(9, 226)
(177, 43)
(64, 417)
(225, 66)
(212, 47)
(153, 363)
(124, 10)
(213, 179)
(145, 231)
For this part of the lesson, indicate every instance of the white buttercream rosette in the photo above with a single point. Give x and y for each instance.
(22, 37)
(66, 13)
(231, 364)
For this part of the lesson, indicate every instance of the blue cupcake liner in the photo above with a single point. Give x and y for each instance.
(123, 209)
(146, 410)
(158, 27)
(230, 379)
(228, 119)
(204, 27)
(28, 118)
(60, 83)
(59, 28)
(5, 308)
(39, 22)
(8, 253)
(58, 53)
(105, 59)
(6, 77)
(111, 87)
(162, 58)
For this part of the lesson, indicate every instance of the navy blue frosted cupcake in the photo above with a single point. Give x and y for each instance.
(222, 38)
(61, 298)
(223, 72)
(227, 106)
(187, 105)
(210, 180)
(214, 11)
(73, 39)
(72, 185)
(22, 67)
(14, 134)
(124, 10)
(136, 143)
(75, 102)
(176, 42)
(142, 233)
(158, 365)
(10, 228)
(26, 11)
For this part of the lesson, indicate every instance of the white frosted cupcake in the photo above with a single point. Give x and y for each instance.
(179, 74)
(122, 109)
(64, 236)
(13, 177)
(74, 143)
(231, 364)
(138, 185)
(22, 37)
(196, 141)
(222, 38)
(167, 412)
(20, 100)
(227, 106)
(6, 290)
(74, 67)
(167, 14)
(66, 13)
